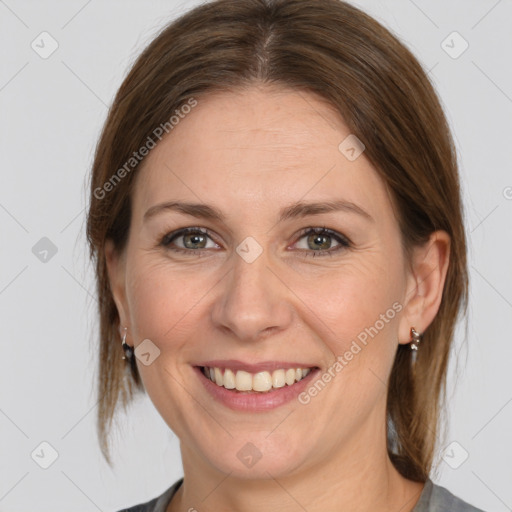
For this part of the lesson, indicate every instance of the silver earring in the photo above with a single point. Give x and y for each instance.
(416, 338)
(128, 351)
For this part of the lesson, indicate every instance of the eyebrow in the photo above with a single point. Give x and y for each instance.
(293, 211)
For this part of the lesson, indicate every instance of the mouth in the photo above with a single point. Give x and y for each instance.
(259, 382)
(256, 387)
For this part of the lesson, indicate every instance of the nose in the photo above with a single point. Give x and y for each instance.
(253, 301)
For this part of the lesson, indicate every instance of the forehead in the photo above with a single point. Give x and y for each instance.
(257, 145)
(264, 122)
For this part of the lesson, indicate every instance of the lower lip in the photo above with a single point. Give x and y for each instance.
(255, 402)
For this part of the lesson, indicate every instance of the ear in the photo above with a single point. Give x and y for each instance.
(425, 283)
(116, 268)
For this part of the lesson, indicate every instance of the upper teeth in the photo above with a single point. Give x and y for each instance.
(261, 381)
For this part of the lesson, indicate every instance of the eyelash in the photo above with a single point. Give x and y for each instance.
(344, 242)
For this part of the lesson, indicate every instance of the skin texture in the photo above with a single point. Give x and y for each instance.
(250, 153)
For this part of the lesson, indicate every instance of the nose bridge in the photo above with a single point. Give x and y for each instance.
(252, 300)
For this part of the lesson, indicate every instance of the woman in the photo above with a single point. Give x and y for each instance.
(277, 228)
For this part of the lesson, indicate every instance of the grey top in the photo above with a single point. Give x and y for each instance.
(434, 498)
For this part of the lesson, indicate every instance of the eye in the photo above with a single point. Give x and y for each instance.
(313, 241)
(188, 240)
(319, 241)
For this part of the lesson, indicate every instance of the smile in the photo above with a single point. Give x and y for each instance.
(259, 387)
(260, 382)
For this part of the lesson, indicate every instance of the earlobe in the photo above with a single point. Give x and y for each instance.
(425, 284)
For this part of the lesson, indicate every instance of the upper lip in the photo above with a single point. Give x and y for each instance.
(234, 364)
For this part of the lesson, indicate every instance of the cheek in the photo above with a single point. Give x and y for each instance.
(355, 297)
(361, 306)
(164, 305)
(162, 300)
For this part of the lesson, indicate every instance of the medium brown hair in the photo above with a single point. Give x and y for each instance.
(336, 51)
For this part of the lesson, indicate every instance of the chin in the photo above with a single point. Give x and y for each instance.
(258, 457)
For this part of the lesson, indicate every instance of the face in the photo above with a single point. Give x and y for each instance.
(262, 283)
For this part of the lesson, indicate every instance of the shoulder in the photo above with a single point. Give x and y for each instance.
(158, 504)
(436, 498)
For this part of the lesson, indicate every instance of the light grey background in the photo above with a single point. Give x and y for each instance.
(52, 111)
